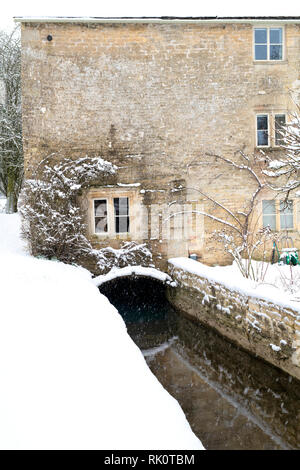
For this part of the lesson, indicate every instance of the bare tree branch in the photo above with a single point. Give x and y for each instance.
(11, 149)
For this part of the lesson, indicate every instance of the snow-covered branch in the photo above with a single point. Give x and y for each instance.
(206, 214)
(284, 171)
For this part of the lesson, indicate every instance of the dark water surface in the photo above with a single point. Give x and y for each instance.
(231, 399)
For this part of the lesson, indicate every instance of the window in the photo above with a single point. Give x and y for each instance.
(111, 209)
(262, 130)
(286, 214)
(278, 215)
(269, 129)
(279, 128)
(269, 214)
(121, 208)
(268, 43)
(100, 211)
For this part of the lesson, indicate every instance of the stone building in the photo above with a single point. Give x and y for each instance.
(155, 96)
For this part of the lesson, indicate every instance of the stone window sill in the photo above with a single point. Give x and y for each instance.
(269, 149)
(270, 62)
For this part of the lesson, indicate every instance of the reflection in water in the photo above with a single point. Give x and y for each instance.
(231, 399)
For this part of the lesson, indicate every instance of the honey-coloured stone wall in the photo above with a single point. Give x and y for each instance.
(154, 99)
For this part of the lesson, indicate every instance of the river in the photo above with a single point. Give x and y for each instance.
(231, 399)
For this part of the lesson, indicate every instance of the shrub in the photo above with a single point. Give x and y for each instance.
(53, 221)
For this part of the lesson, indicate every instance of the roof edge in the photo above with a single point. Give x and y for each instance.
(162, 19)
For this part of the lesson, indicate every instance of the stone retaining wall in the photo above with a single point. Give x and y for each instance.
(267, 330)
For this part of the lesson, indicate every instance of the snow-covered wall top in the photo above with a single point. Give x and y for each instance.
(132, 271)
(230, 277)
(162, 19)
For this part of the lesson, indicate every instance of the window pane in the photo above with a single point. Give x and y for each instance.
(286, 207)
(286, 221)
(279, 128)
(286, 214)
(269, 211)
(279, 120)
(268, 207)
(262, 122)
(261, 52)
(121, 206)
(122, 224)
(269, 220)
(100, 224)
(260, 36)
(100, 208)
(262, 130)
(276, 36)
(275, 52)
(262, 138)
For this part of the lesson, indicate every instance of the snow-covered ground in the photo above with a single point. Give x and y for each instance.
(71, 377)
(279, 284)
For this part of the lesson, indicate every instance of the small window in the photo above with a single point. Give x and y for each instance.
(121, 208)
(268, 43)
(279, 128)
(262, 128)
(286, 214)
(269, 214)
(100, 210)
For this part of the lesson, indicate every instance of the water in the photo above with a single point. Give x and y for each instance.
(231, 399)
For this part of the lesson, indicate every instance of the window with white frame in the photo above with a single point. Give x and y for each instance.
(111, 215)
(268, 43)
(278, 215)
(262, 130)
(270, 129)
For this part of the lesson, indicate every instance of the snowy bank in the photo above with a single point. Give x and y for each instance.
(232, 279)
(71, 377)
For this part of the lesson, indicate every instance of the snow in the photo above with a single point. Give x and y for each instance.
(272, 289)
(10, 241)
(130, 271)
(162, 347)
(143, 191)
(274, 347)
(71, 377)
(277, 164)
(129, 184)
